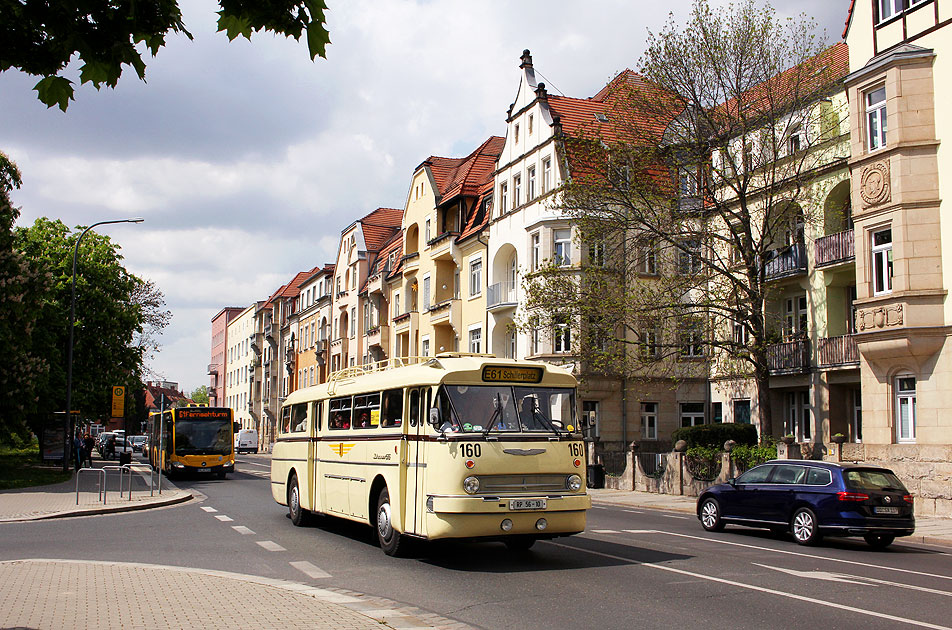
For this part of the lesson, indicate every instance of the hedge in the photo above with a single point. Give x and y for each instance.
(714, 435)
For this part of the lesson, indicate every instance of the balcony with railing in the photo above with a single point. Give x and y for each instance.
(339, 345)
(446, 311)
(786, 262)
(379, 336)
(501, 296)
(832, 352)
(835, 249)
(442, 246)
(790, 357)
(406, 321)
(213, 368)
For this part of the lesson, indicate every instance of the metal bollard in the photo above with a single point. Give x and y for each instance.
(102, 482)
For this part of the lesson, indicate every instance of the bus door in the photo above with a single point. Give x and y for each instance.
(313, 457)
(415, 505)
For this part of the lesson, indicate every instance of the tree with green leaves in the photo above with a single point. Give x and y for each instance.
(23, 284)
(42, 38)
(699, 198)
(200, 395)
(110, 317)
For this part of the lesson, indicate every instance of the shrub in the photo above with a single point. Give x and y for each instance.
(746, 457)
(704, 462)
(714, 435)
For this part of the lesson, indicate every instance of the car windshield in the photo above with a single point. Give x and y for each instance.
(872, 479)
(506, 409)
(203, 437)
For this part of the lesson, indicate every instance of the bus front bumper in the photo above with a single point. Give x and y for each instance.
(479, 517)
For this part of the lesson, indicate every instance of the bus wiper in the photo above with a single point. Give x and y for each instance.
(492, 419)
(538, 415)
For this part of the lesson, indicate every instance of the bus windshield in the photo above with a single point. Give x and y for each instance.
(203, 437)
(496, 408)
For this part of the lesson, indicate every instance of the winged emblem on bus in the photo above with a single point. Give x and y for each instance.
(523, 451)
(341, 449)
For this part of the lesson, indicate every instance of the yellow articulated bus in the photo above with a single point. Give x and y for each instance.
(452, 446)
(192, 439)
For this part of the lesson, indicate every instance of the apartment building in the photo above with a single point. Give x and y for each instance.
(360, 243)
(239, 368)
(437, 285)
(216, 366)
(528, 231)
(314, 317)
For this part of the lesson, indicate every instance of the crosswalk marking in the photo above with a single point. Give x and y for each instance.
(223, 518)
(209, 509)
(241, 529)
(311, 571)
(270, 545)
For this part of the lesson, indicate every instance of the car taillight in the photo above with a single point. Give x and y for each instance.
(852, 496)
(907, 498)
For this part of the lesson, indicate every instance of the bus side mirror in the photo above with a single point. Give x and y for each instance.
(435, 419)
(235, 426)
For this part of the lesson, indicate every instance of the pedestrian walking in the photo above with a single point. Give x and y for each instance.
(88, 444)
(111, 447)
(77, 451)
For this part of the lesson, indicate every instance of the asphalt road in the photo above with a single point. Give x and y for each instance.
(631, 568)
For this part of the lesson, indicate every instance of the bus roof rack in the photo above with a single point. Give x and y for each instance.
(353, 371)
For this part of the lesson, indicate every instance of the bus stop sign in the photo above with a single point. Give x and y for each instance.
(118, 402)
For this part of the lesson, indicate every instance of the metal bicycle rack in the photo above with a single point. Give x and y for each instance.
(123, 469)
(100, 473)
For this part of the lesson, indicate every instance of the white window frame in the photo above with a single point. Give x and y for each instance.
(475, 277)
(546, 175)
(875, 118)
(535, 245)
(649, 420)
(690, 340)
(426, 292)
(647, 260)
(516, 190)
(882, 262)
(692, 417)
(426, 232)
(530, 183)
(562, 247)
(503, 198)
(425, 346)
(905, 402)
(562, 335)
(475, 338)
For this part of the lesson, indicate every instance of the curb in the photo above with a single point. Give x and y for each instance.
(129, 507)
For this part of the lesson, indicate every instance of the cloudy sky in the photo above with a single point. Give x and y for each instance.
(247, 160)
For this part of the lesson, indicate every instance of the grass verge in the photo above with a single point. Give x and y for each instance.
(22, 468)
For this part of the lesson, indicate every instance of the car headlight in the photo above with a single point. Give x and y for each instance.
(573, 483)
(471, 485)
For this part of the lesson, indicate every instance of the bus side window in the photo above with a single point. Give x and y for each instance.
(299, 417)
(340, 411)
(316, 409)
(392, 411)
(285, 420)
(414, 407)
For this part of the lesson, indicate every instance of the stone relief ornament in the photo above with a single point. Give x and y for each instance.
(879, 317)
(874, 184)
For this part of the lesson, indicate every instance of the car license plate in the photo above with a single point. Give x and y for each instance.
(204, 470)
(885, 510)
(526, 504)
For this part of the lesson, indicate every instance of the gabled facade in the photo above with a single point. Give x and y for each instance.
(314, 317)
(239, 367)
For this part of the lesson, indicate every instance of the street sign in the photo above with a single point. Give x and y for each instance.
(118, 402)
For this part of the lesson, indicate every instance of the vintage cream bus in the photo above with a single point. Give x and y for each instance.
(452, 446)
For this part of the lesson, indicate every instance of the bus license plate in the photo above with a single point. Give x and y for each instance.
(885, 510)
(526, 504)
(204, 470)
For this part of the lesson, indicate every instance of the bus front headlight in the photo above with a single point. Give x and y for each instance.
(471, 485)
(573, 483)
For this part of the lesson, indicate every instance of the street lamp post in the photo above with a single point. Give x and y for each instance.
(69, 354)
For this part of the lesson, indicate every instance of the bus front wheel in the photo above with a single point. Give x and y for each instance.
(299, 516)
(391, 541)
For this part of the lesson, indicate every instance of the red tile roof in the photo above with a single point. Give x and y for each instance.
(379, 226)
(478, 217)
(849, 18)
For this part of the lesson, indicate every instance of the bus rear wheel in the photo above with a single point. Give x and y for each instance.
(299, 516)
(391, 541)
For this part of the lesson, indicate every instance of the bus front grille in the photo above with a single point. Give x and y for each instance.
(490, 484)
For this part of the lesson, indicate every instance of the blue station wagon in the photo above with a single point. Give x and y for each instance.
(811, 499)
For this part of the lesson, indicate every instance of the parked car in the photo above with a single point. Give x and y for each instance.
(812, 499)
(137, 442)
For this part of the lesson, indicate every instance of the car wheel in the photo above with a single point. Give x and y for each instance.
(391, 541)
(804, 527)
(879, 541)
(299, 516)
(520, 544)
(711, 515)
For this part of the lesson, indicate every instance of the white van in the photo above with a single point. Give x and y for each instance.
(246, 440)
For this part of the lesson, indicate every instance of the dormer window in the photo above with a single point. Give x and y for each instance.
(600, 117)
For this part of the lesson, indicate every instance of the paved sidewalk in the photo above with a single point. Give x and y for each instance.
(45, 594)
(929, 530)
(60, 500)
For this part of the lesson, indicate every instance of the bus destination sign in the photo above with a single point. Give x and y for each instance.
(198, 413)
(512, 374)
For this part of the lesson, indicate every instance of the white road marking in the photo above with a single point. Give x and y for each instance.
(209, 509)
(270, 545)
(241, 529)
(311, 571)
(761, 589)
(632, 511)
(853, 579)
(605, 531)
(674, 516)
(640, 531)
(223, 518)
(808, 555)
